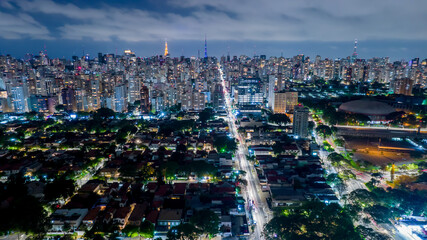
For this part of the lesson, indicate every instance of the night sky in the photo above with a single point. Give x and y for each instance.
(384, 28)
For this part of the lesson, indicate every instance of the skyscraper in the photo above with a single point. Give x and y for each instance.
(120, 98)
(300, 121)
(271, 89)
(18, 99)
(145, 99)
(284, 101)
(218, 96)
(69, 99)
(249, 91)
(402, 86)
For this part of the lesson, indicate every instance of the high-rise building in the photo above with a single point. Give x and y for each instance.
(80, 96)
(402, 86)
(19, 99)
(69, 99)
(95, 94)
(120, 98)
(145, 99)
(271, 89)
(300, 121)
(38, 103)
(218, 96)
(134, 89)
(285, 101)
(198, 101)
(249, 91)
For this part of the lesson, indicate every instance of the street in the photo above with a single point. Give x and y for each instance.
(253, 191)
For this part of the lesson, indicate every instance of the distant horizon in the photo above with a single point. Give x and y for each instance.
(219, 49)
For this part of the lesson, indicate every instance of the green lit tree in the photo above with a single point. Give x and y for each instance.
(313, 220)
(206, 222)
(324, 131)
(225, 144)
(185, 231)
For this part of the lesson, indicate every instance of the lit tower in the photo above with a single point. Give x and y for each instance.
(354, 56)
(206, 47)
(166, 48)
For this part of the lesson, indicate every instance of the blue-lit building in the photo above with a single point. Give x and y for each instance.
(249, 92)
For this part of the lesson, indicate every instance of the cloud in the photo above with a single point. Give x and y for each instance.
(6, 4)
(21, 26)
(239, 20)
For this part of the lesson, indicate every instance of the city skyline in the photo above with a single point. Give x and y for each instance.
(216, 49)
(225, 120)
(328, 29)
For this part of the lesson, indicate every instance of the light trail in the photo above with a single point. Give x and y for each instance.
(253, 191)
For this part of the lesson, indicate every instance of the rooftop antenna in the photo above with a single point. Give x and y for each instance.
(354, 56)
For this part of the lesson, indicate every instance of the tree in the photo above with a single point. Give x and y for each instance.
(59, 188)
(373, 182)
(336, 181)
(285, 140)
(225, 144)
(31, 115)
(313, 220)
(331, 116)
(169, 169)
(355, 118)
(311, 126)
(24, 213)
(206, 222)
(324, 131)
(202, 168)
(175, 108)
(339, 142)
(347, 174)
(104, 114)
(59, 108)
(128, 170)
(370, 234)
(206, 114)
(280, 119)
(362, 197)
(396, 117)
(124, 132)
(181, 148)
(168, 127)
(377, 175)
(185, 231)
(382, 214)
(146, 229)
(336, 159)
(146, 172)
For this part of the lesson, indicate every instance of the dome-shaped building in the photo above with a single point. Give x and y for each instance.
(376, 111)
